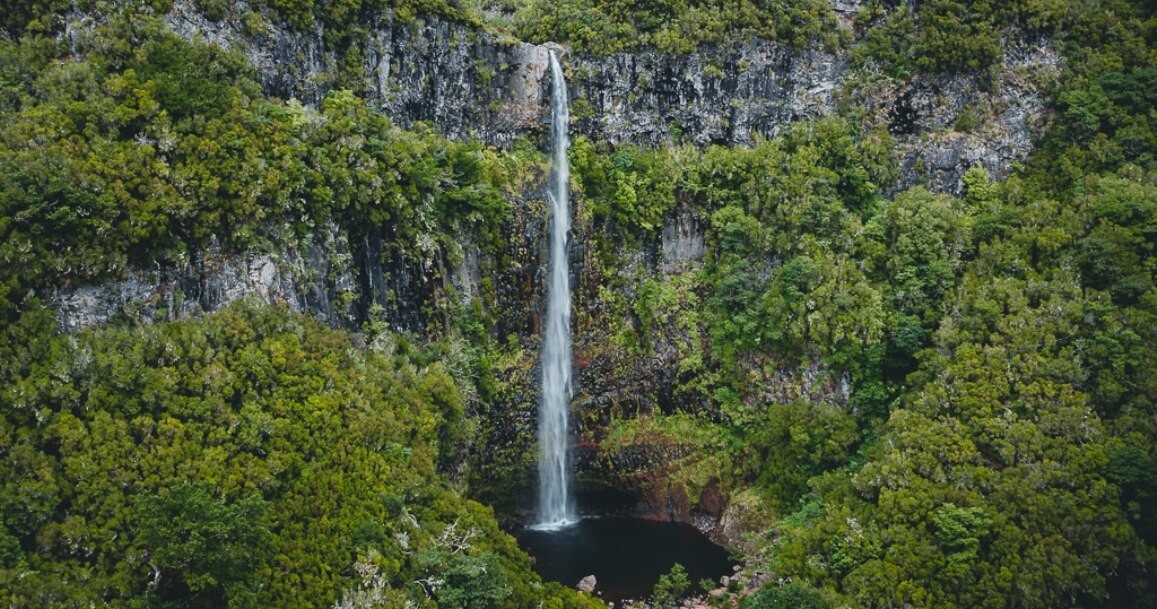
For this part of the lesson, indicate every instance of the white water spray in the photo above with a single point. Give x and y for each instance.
(555, 505)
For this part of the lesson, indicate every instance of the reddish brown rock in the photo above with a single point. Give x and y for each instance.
(711, 500)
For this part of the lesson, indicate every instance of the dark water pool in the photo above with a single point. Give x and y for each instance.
(626, 555)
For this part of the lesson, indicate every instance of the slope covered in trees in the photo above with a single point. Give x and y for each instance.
(248, 459)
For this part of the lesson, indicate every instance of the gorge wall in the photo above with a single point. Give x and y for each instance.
(469, 84)
(484, 86)
(489, 87)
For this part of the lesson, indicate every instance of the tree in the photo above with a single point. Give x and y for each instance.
(790, 596)
(670, 587)
(204, 551)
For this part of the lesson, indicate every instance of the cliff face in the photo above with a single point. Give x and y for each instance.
(483, 86)
(474, 85)
(468, 85)
(712, 97)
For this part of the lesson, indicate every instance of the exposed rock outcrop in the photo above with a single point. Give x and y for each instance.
(320, 278)
(467, 84)
(945, 125)
(716, 96)
(744, 513)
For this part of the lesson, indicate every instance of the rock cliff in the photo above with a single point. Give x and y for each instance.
(489, 87)
(469, 84)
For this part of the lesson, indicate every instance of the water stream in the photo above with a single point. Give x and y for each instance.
(555, 505)
(627, 556)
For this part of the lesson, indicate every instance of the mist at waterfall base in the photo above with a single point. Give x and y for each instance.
(626, 555)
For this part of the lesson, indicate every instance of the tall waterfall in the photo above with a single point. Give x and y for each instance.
(555, 505)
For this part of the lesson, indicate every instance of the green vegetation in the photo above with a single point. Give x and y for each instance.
(947, 34)
(945, 401)
(248, 459)
(204, 551)
(608, 26)
(936, 35)
(998, 348)
(671, 586)
(785, 597)
(788, 204)
(997, 443)
(133, 157)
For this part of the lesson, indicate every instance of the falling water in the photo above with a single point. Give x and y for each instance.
(555, 506)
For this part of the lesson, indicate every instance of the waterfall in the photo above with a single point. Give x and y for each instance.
(555, 505)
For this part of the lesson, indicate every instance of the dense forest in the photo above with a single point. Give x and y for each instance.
(994, 346)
